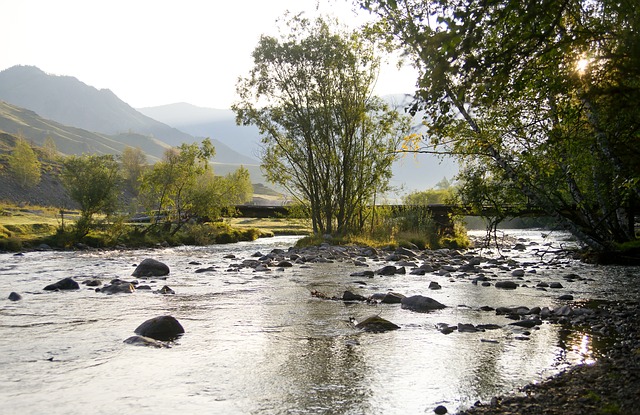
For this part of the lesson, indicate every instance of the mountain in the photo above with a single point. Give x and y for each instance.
(410, 172)
(69, 101)
(209, 122)
(86, 119)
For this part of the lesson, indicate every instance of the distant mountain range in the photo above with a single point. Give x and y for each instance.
(18, 121)
(83, 119)
(209, 122)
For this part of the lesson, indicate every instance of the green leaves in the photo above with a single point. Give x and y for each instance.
(327, 140)
(94, 182)
(501, 89)
(24, 164)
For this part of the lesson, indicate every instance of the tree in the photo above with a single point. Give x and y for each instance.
(24, 164)
(166, 186)
(50, 149)
(133, 161)
(542, 93)
(92, 181)
(427, 197)
(327, 139)
(212, 194)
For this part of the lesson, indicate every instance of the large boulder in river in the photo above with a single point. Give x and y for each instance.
(392, 298)
(63, 284)
(420, 303)
(387, 270)
(160, 328)
(349, 296)
(151, 268)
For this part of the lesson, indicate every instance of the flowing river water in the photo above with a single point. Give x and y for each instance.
(259, 343)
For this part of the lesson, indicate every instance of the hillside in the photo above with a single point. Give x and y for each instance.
(82, 119)
(49, 192)
(209, 122)
(69, 101)
(71, 140)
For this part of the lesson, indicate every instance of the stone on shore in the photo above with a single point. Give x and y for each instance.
(151, 268)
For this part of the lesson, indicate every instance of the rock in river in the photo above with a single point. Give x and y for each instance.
(117, 287)
(421, 304)
(63, 284)
(392, 298)
(151, 268)
(387, 270)
(14, 296)
(376, 324)
(146, 341)
(507, 285)
(160, 328)
(349, 296)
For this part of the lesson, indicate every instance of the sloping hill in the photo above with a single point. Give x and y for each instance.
(70, 140)
(102, 123)
(70, 102)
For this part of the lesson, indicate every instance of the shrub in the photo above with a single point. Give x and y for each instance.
(11, 244)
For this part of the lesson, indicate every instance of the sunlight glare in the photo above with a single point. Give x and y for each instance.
(582, 64)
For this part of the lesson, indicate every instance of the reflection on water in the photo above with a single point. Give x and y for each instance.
(260, 343)
(581, 345)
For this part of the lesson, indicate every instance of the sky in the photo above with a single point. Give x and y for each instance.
(157, 52)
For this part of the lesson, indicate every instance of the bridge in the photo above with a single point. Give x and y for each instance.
(441, 214)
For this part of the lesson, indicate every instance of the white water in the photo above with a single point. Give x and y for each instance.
(259, 343)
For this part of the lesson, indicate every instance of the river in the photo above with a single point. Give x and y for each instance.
(259, 343)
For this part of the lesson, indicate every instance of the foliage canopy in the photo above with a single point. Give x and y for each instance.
(23, 164)
(94, 182)
(538, 96)
(326, 138)
(182, 186)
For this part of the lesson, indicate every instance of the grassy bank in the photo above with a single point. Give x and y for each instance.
(277, 226)
(27, 227)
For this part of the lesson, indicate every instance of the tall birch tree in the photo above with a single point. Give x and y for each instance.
(327, 138)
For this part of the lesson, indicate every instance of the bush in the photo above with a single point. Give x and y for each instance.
(11, 244)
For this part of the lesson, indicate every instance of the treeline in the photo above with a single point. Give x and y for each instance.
(178, 190)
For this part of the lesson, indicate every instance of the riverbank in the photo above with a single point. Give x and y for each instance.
(609, 386)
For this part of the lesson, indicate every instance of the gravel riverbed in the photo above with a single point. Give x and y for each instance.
(611, 385)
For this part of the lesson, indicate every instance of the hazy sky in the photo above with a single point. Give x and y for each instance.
(155, 52)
